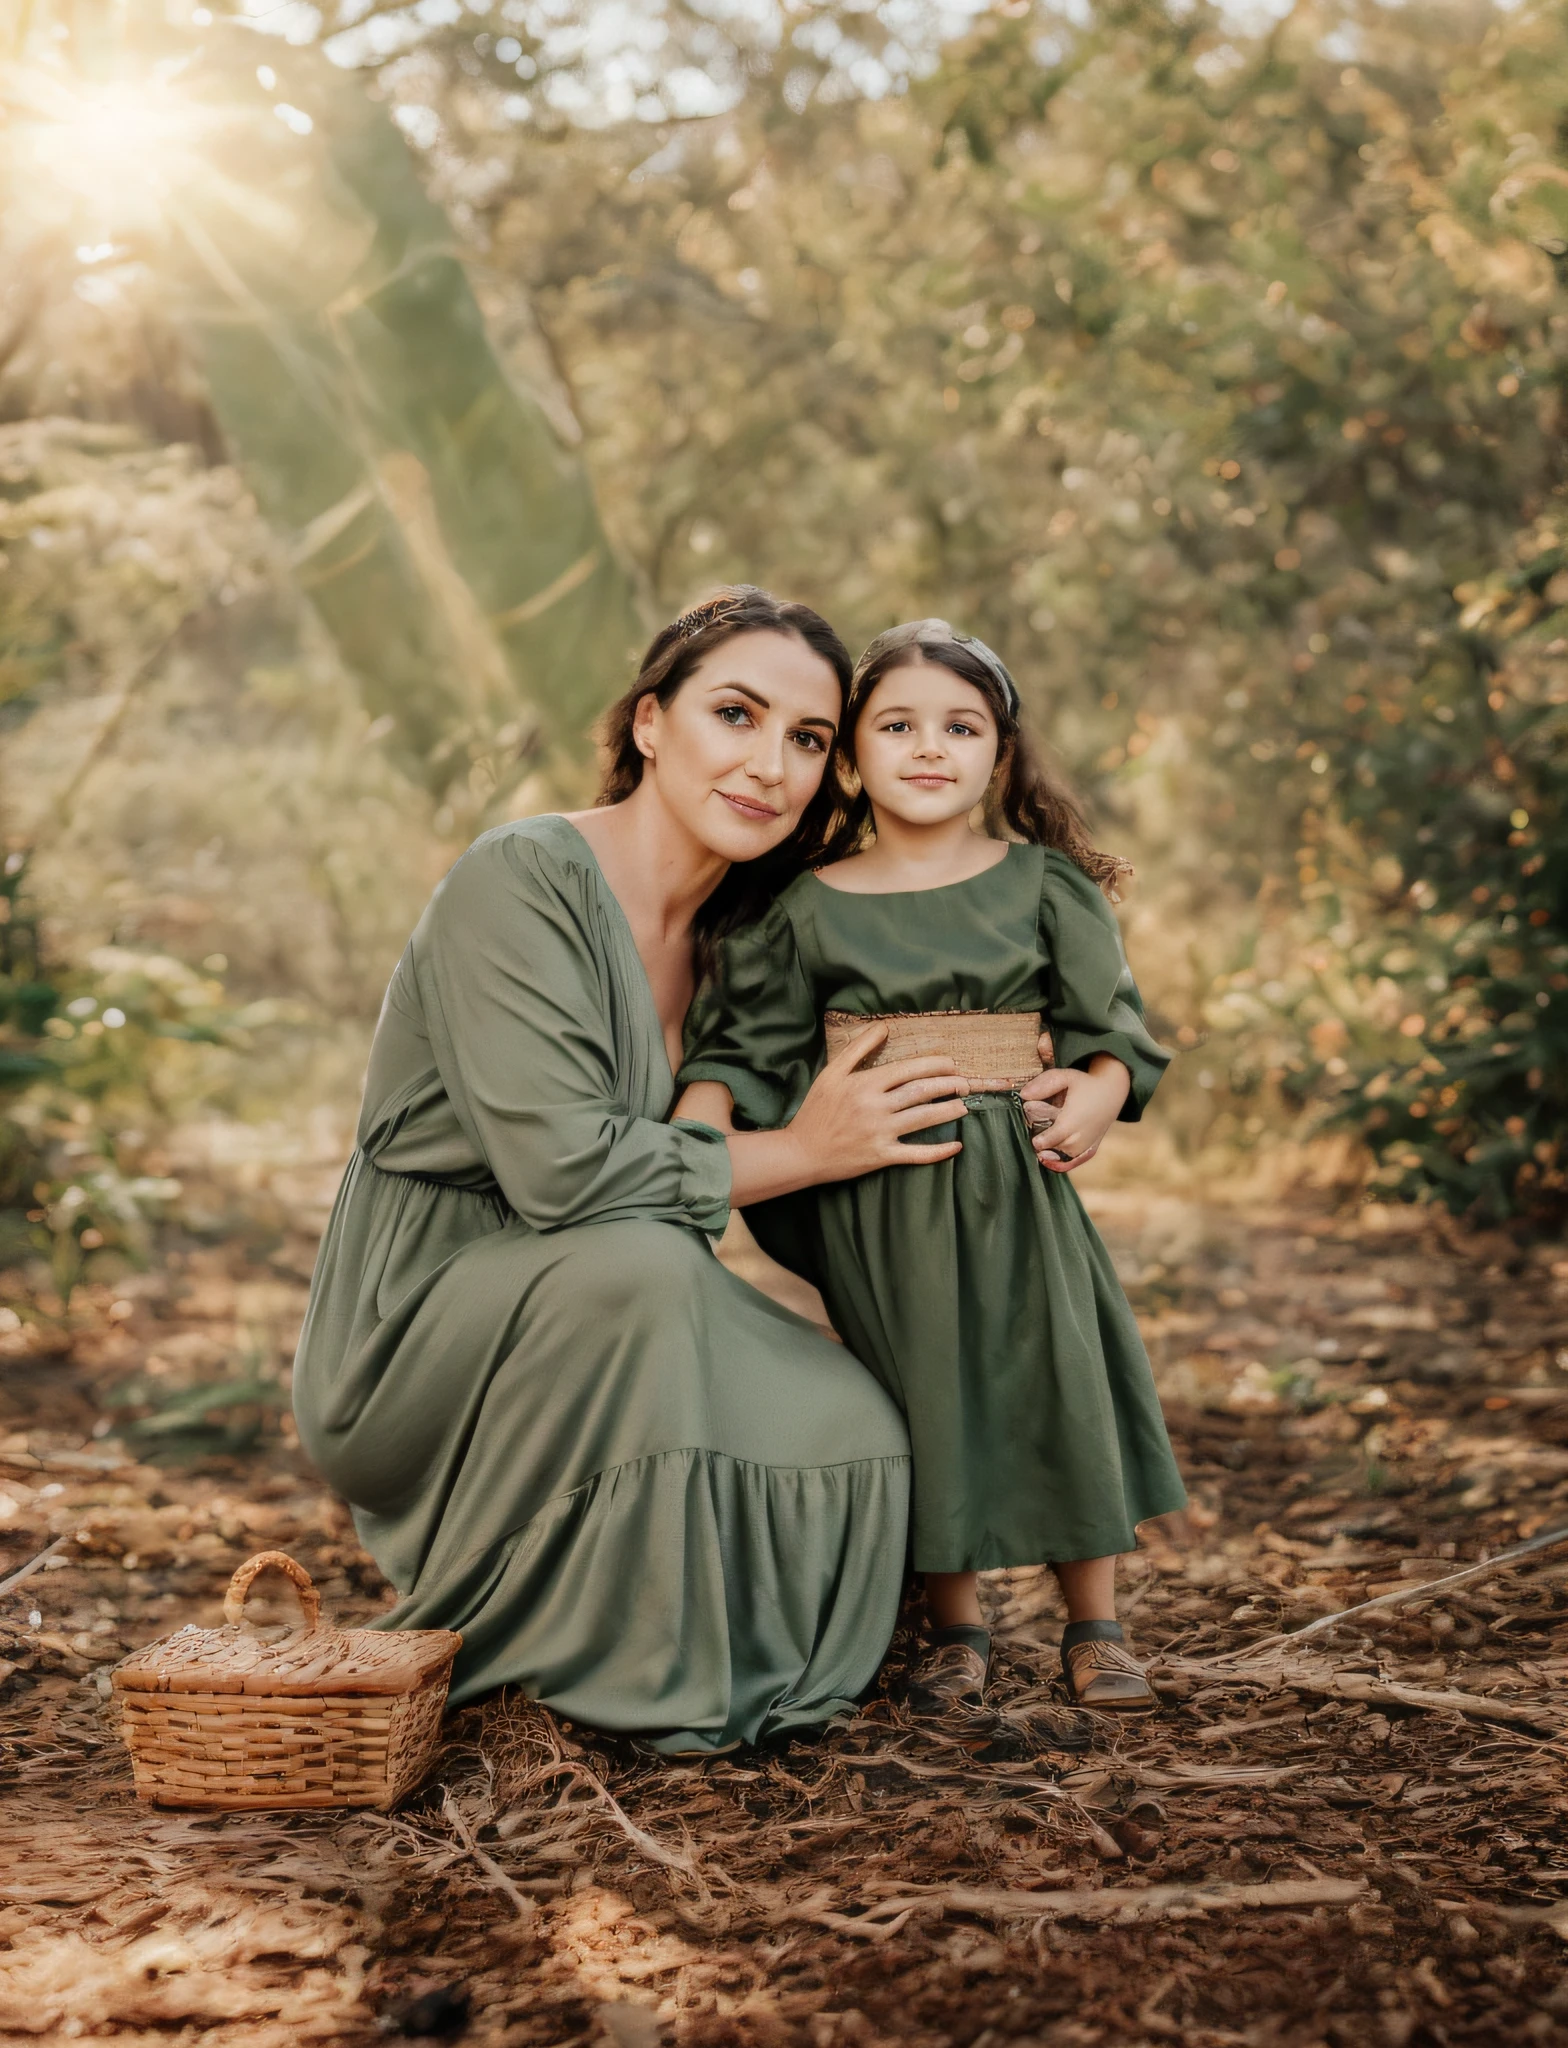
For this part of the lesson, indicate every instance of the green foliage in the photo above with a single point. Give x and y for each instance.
(27, 1001)
(82, 1059)
(1216, 375)
(1211, 376)
(1461, 1084)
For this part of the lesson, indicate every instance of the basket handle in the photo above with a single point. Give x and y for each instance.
(271, 1561)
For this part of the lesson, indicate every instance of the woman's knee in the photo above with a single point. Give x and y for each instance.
(617, 1268)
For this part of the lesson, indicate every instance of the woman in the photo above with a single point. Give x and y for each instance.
(642, 1491)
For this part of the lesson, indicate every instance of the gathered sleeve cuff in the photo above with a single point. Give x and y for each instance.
(1095, 1004)
(513, 973)
(754, 1026)
(705, 1175)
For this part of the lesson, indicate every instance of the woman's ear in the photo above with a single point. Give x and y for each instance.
(644, 721)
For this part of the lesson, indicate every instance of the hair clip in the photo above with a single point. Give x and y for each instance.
(713, 611)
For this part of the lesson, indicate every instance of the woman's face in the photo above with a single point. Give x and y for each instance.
(925, 745)
(738, 752)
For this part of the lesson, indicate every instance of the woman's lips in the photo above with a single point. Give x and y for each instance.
(747, 807)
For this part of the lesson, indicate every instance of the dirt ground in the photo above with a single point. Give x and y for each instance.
(1354, 1838)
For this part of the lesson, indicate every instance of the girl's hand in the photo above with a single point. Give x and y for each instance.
(854, 1118)
(1083, 1104)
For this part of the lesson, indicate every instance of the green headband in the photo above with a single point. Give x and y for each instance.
(935, 633)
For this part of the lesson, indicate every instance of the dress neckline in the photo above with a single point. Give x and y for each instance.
(937, 888)
(602, 881)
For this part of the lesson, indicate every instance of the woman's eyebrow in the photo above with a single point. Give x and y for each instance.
(745, 690)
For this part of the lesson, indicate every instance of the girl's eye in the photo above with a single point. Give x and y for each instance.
(897, 725)
(958, 726)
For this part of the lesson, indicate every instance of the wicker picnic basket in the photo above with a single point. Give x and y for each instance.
(234, 1719)
(994, 1049)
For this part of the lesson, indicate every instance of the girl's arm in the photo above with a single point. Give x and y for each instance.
(1109, 1062)
(1084, 1102)
(852, 1121)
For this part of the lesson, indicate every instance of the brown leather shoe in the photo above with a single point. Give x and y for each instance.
(1102, 1673)
(950, 1678)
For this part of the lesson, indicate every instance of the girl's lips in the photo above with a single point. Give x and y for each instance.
(746, 807)
(931, 781)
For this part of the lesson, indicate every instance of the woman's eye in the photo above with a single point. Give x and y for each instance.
(734, 714)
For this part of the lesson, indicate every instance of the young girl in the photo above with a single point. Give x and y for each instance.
(976, 1289)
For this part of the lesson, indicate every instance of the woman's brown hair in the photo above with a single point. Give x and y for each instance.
(749, 886)
(1025, 800)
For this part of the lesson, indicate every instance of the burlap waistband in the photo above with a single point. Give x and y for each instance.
(992, 1049)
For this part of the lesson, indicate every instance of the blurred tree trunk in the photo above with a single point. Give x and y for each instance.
(447, 538)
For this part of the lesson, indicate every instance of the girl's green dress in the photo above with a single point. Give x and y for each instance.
(977, 1290)
(643, 1492)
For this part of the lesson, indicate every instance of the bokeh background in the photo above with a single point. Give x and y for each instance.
(373, 378)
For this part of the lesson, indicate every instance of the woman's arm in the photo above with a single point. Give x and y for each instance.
(512, 976)
(853, 1121)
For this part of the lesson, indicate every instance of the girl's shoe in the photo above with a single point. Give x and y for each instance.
(950, 1678)
(1101, 1672)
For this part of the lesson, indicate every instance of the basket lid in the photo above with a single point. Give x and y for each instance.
(311, 1660)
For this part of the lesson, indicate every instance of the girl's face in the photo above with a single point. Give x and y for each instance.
(925, 745)
(738, 752)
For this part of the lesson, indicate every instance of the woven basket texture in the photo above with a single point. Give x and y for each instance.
(992, 1049)
(233, 1719)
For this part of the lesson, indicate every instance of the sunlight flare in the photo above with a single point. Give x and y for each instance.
(123, 147)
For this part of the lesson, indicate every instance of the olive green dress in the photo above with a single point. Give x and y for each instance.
(642, 1491)
(977, 1290)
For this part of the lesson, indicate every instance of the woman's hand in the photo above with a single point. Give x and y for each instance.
(1081, 1105)
(853, 1121)
(855, 1118)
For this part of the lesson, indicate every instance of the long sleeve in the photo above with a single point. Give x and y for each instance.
(515, 976)
(1095, 1005)
(755, 1025)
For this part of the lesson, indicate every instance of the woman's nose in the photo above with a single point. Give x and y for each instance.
(766, 762)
